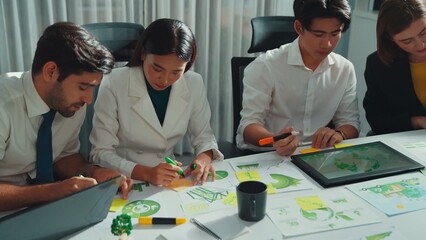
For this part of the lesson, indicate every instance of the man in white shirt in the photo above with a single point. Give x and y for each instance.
(68, 64)
(302, 85)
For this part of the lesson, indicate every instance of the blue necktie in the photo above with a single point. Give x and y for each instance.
(44, 162)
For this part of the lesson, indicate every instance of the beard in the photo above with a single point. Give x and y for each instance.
(60, 104)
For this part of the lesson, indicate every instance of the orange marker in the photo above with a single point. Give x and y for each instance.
(269, 140)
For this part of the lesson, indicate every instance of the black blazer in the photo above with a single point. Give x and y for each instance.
(390, 100)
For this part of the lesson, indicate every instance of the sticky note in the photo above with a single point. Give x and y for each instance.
(310, 203)
(179, 184)
(230, 199)
(248, 175)
(117, 203)
(342, 145)
(309, 150)
(270, 189)
(195, 208)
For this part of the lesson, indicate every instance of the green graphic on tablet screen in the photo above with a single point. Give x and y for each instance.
(141, 208)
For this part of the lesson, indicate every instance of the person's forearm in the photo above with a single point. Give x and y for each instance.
(254, 132)
(418, 122)
(13, 197)
(142, 173)
(348, 131)
(70, 166)
(207, 155)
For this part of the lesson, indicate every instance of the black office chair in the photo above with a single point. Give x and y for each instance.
(238, 64)
(271, 32)
(120, 38)
(268, 32)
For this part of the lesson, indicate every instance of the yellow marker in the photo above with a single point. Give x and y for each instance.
(161, 220)
(309, 150)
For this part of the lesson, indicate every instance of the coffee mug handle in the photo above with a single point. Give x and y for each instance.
(253, 208)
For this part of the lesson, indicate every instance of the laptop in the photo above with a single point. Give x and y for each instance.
(61, 217)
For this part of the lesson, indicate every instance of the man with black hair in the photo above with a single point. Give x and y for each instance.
(302, 85)
(68, 64)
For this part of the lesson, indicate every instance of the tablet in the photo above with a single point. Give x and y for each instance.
(61, 217)
(340, 166)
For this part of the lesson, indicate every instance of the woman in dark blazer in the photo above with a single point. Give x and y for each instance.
(396, 74)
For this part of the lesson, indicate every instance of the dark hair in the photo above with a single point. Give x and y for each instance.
(165, 36)
(394, 17)
(307, 10)
(73, 49)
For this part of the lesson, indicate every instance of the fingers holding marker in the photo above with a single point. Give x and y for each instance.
(269, 140)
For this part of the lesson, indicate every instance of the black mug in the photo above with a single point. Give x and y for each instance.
(251, 198)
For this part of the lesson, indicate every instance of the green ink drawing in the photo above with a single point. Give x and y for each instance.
(207, 195)
(220, 174)
(248, 167)
(379, 236)
(283, 181)
(318, 215)
(343, 216)
(141, 208)
(340, 200)
(138, 186)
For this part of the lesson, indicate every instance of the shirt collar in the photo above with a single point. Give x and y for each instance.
(295, 56)
(35, 105)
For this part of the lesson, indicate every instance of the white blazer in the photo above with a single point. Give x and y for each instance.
(126, 130)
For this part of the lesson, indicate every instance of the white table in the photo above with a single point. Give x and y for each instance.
(409, 224)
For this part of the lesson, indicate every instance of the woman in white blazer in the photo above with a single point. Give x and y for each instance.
(144, 109)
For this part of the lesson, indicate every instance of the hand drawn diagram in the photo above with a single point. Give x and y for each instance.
(202, 199)
(323, 211)
(394, 195)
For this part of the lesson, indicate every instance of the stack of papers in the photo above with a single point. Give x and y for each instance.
(223, 224)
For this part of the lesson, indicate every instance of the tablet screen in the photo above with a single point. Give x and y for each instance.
(355, 163)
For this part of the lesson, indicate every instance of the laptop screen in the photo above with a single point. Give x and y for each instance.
(61, 217)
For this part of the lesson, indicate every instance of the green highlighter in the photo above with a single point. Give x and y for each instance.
(170, 161)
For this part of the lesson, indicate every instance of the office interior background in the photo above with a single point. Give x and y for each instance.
(221, 27)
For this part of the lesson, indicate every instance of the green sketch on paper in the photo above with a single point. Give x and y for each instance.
(409, 188)
(207, 195)
(141, 208)
(220, 174)
(139, 186)
(248, 167)
(326, 214)
(379, 236)
(340, 200)
(318, 215)
(283, 181)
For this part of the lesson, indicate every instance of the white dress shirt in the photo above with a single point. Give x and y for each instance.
(20, 118)
(280, 92)
(126, 130)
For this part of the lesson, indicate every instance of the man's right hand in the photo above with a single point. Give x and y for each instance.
(75, 184)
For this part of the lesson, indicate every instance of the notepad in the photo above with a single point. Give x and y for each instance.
(222, 223)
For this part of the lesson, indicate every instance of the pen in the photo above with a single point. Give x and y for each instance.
(304, 144)
(161, 220)
(169, 160)
(269, 140)
(204, 228)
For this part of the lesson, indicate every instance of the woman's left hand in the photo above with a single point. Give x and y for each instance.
(200, 168)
